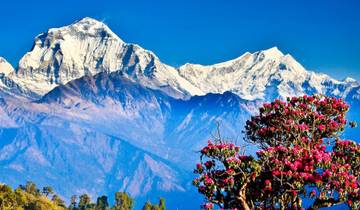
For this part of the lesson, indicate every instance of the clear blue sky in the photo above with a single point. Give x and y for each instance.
(324, 35)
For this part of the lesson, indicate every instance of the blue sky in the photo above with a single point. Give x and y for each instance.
(323, 35)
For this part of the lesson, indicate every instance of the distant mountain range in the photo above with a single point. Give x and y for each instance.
(86, 112)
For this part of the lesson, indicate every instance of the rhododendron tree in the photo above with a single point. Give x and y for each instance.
(301, 157)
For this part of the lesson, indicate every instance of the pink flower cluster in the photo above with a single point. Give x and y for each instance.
(278, 118)
(293, 160)
(212, 148)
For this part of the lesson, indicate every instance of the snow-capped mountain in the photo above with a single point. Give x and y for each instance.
(263, 75)
(88, 47)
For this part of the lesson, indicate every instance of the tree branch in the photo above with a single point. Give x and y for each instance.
(320, 203)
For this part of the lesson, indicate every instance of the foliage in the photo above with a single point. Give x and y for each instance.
(123, 201)
(160, 206)
(29, 197)
(147, 206)
(102, 203)
(302, 156)
(47, 190)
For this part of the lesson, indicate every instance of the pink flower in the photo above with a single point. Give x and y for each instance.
(208, 206)
(267, 105)
(260, 152)
(281, 148)
(327, 173)
(303, 106)
(354, 185)
(231, 181)
(303, 127)
(304, 175)
(304, 139)
(233, 160)
(230, 171)
(204, 150)
(267, 188)
(276, 173)
(336, 183)
(321, 127)
(208, 181)
(208, 164)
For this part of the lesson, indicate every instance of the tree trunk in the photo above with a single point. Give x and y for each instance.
(320, 203)
(242, 198)
(243, 203)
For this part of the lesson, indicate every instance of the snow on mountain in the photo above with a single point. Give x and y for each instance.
(7, 85)
(88, 47)
(5, 67)
(262, 74)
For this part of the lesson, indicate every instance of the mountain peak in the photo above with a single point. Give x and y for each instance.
(85, 47)
(88, 23)
(273, 52)
(5, 67)
(89, 20)
(88, 26)
(349, 80)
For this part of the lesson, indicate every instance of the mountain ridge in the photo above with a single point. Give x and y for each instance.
(98, 111)
(88, 47)
(251, 74)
